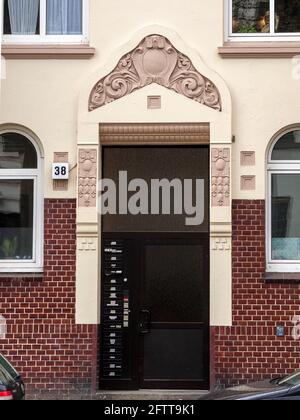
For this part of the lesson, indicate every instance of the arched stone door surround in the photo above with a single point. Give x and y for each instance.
(116, 93)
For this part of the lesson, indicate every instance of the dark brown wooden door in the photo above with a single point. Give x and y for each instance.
(174, 312)
(155, 282)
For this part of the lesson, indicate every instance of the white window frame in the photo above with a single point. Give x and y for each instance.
(274, 168)
(256, 37)
(43, 38)
(36, 264)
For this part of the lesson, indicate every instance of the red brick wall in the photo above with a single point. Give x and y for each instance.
(53, 353)
(43, 341)
(250, 349)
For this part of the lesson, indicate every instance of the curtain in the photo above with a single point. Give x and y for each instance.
(23, 16)
(64, 17)
(247, 10)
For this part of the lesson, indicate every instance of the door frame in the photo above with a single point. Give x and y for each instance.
(189, 239)
(162, 235)
(123, 119)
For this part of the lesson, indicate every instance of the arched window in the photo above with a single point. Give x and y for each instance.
(20, 204)
(284, 202)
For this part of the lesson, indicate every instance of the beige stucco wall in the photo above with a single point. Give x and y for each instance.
(42, 95)
(50, 97)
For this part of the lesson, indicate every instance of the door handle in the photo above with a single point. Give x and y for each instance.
(145, 321)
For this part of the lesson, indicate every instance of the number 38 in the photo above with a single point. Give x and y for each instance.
(60, 171)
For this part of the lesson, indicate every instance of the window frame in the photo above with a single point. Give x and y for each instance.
(36, 264)
(278, 167)
(256, 37)
(43, 38)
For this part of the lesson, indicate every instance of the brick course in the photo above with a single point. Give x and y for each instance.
(43, 342)
(53, 353)
(250, 349)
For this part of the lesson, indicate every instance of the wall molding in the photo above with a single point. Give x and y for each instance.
(155, 133)
(259, 49)
(46, 52)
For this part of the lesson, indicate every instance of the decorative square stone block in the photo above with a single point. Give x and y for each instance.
(248, 183)
(154, 102)
(248, 158)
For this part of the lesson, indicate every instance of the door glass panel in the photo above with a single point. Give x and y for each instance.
(174, 355)
(159, 163)
(285, 217)
(175, 283)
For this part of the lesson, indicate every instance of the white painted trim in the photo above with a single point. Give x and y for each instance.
(272, 18)
(275, 163)
(24, 131)
(36, 264)
(43, 20)
(278, 167)
(43, 38)
(259, 37)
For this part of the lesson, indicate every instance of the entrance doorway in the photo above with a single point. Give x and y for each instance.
(155, 279)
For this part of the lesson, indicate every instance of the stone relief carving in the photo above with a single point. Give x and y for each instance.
(87, 178)
(221, 244)
(155, 60)
(220, 188)
(87, 244)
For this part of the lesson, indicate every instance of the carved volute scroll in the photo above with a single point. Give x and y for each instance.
(220, 180)
(87, 182)
(155, 60)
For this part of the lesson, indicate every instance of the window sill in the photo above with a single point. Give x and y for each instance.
(282, 278)
(65, 52)
(4, 277)
(259, 49)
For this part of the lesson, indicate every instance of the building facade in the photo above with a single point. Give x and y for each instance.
(161, 90)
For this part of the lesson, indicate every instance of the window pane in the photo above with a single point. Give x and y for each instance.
(287, 147)
(288, 15)
(285, 217)
(21, 17)
(250, 16)
(17, 152)
(64, 17)
(16, 219)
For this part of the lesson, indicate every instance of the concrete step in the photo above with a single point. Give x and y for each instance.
(156, 395)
